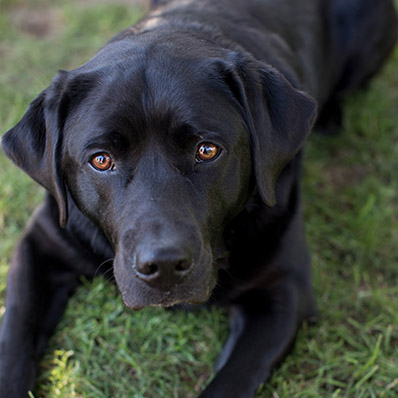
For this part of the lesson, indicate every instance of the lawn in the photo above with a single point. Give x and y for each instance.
(350, 189)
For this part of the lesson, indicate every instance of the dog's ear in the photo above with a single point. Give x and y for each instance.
(279, 117)
(35, 144)
(281, 125)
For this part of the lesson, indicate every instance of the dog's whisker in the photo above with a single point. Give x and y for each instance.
(101, 265)
(177, 149)
(108, 275)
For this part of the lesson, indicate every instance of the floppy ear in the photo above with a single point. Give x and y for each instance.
(35, 144)
(280, 127)
(279, 117)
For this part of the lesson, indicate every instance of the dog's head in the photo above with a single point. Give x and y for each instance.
(160, 143)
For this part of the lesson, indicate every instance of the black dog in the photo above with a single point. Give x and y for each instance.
(175, 150)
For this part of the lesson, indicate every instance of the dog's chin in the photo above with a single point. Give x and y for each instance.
(195, 288)
(137, 299)
(137, 294)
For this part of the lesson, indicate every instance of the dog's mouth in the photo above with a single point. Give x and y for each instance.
(165, 299)
(140, 296)
(139, 291)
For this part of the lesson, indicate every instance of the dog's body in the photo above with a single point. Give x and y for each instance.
(168, 151)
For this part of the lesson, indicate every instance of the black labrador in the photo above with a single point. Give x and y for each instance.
(176, 150)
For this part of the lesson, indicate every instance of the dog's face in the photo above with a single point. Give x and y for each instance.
(160, 143)
(160, 163)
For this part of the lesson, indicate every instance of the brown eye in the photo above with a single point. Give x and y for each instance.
(207, 151)
(102, 162)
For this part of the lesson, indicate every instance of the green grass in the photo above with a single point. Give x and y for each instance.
(350, 186)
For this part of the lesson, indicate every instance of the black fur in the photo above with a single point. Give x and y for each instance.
(242, 75)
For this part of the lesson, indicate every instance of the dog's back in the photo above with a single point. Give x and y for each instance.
(180, 141)
(331, 46)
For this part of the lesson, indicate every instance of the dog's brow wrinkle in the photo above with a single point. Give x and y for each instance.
(236, 74)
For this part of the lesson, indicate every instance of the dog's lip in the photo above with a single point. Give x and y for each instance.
(150, 297)
(196, 288)
(167, 300)
(166, 303)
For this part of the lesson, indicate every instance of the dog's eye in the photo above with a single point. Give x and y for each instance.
(102, 162)
(207, 151)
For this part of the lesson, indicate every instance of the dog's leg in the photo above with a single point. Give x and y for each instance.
(40, 280)
(265, 321)
(236, 326)
(269, 324)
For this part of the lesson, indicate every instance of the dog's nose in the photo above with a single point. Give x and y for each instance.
(163, 268)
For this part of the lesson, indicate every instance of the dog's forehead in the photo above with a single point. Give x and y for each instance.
(161, 47)
(150, 86)
(158, 71)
